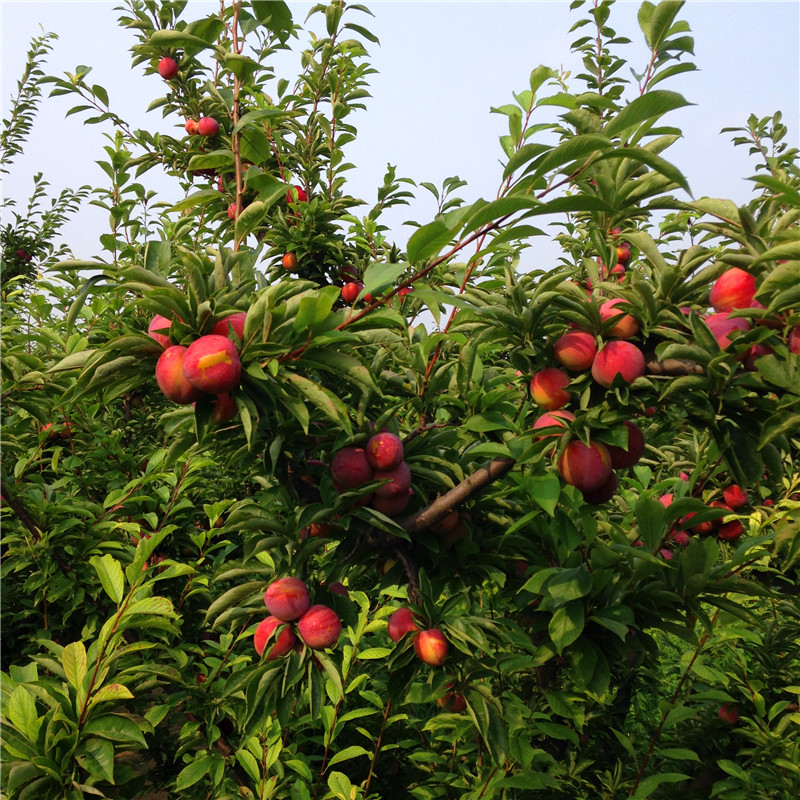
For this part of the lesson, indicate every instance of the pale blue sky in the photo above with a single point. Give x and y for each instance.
(441, 66)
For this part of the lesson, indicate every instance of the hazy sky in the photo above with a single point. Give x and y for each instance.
(441, 66)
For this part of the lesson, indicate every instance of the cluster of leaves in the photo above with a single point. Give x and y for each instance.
(139, 538)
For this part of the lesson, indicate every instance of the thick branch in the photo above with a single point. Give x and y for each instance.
(674, 366)
(443, 505)
(24, 517)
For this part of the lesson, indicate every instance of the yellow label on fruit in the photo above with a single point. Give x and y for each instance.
(211, 360)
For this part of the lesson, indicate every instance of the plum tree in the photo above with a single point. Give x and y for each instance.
(429, 478)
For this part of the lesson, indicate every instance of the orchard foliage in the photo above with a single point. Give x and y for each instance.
(554, 642)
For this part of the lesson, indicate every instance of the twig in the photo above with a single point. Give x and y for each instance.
(377, 746)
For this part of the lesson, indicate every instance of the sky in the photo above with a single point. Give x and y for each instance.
(441, 67)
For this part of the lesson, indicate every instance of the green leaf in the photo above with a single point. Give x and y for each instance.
(785, 250)
(115, 727)
(777, 425)
(22, 774)
(258, 115)
(327, 402)
(98, 757)
(111, 691)
(649, 785)
(315, 308)
(661, 22)
(250, 218)
(152, 605)
(734, 769)
(380, 277)
(236, 595)
(650, 105)
(539, 76)
(372, 653)
(570, 584)
(111, 578)
(218, 159)
(144, 550)
(163, 39)
(347, 366)
(194, 772)
(340, 786)
(249, 764)
(242, 67)
(73, 659)
(73, 265)
(274, 15)
(644, 156)
(354, 751)
(566, 625)
(788, 193)
(22, 713)
(428, 240)
(80, 299)
(577, 147)
(650, 521)
(545, 489)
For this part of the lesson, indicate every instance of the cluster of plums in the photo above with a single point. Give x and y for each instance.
(205, 126)
(734, 290)
(208, 366)
(577, 349)
(381, 459)
(733, 498)
(589, 467)
(289, 605)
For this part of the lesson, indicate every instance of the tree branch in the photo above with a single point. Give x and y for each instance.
(471, 485)
(24, 517)
(673, 366)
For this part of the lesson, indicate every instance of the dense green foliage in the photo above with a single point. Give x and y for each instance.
(599, 655)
